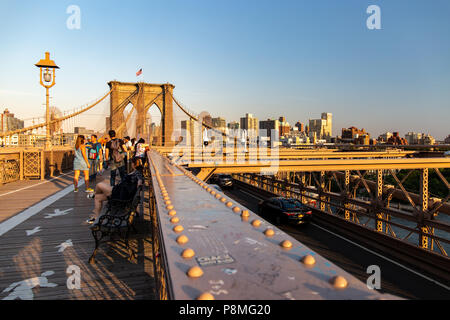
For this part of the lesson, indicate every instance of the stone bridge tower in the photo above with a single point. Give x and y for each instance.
(142, 96)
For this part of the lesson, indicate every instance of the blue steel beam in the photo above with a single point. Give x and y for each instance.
(231, 253)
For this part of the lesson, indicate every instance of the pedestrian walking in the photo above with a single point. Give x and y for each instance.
(81, 163)
(115, 150)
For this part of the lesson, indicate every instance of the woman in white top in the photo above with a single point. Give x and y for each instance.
(140, 148)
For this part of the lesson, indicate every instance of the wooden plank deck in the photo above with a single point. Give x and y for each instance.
(35, 266)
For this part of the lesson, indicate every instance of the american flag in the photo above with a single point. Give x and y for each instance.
(139, 73)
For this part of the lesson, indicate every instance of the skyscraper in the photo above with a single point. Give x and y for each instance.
(250, 124)
(321, 128)
(219, 123)
(191, 131)
(9, 123)
(300, 126)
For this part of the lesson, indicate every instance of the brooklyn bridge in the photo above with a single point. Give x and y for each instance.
(184, 238)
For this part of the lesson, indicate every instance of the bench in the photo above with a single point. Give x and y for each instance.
(117, 220)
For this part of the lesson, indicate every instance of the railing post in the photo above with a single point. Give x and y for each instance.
(423, 239)
(379, 198)
(52, 165)
(302, 186)
(347, 194)
(322, 187)
(288, 190)
(42, 154)
(21, 164)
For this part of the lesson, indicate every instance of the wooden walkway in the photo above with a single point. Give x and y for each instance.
(44, 240)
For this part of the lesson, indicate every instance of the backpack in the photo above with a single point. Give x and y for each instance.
(93, 152)
(116, 155)
(126, 189)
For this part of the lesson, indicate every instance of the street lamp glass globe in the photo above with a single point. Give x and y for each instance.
(47, 76)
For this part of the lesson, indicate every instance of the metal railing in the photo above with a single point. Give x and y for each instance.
(33, 163)
(369, 211)
(207, 246)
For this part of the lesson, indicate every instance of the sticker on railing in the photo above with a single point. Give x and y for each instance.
(215, 260)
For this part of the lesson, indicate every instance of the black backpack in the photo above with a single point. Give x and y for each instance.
(116, 155)
(126, 189)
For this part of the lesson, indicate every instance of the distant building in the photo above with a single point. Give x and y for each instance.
(285, 128)
(191, 130)
(395, 139)
(419, 138)
(270, 127)
(269, 124)
(300, 126)
(207, 119)
(250, 124)
(9, 123)
(82, 130)
(384, 137)
(295, 138)
(355, 136)
(219, 123)
(321, 129)
(234, 125)
(447, 140)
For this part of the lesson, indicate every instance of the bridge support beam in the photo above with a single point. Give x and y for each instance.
(379, 201)
(205, 173)
(347, 194)
(322, 189)
(424, 196)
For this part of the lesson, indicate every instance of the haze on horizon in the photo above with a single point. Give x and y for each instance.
(294, 58)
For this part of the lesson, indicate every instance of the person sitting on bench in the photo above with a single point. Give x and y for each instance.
(125, 190)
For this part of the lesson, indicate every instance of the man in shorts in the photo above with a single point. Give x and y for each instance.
(95, 156)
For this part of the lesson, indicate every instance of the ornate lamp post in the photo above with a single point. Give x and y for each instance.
(47, 76)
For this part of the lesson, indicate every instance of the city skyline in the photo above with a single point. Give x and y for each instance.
(297, 59)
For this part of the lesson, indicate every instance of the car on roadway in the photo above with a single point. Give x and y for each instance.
(284, 210)
(225, 181)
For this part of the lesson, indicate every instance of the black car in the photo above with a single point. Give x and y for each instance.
(225, 181)
(284, 210)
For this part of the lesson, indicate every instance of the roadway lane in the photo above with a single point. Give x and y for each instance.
(395, 279)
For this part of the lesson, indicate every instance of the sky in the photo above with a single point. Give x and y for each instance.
(270, 58)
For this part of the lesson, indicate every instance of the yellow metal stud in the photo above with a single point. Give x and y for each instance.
(308, 260)
(256, 223)
(178, 229)
(339, 282)
(172, 213)
(195, 272)
(205, 296)
(188, 253)
(286, 244)
(182, 239)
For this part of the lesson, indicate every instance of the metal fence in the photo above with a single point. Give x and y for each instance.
(33, 163)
